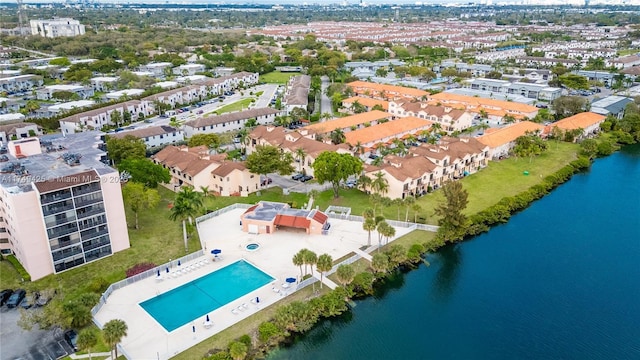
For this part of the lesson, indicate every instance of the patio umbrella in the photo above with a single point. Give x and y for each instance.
(216, 251)
(208, 318)
(194, 329)
(257, 299)
(167, 269)
(158, 272)
(290, 280)
(178, 262)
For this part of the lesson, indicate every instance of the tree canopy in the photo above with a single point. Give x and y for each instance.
(138, 197)
(452, 220)
(144, 171)
(208, 140)
(529, 145)
(334, 168)
(128, 147)
(267, 159)
(566, 106)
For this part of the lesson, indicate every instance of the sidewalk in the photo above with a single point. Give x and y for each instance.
(86, 356)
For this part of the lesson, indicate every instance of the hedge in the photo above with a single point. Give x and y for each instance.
(16, 264)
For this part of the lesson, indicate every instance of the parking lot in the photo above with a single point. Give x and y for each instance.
(36, 344)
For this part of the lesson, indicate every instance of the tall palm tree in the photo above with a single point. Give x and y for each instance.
(369, 225)
(364, 182)
(113, 331)
(310, 258)
(358, 148)
(186, 205)
(416, 208)
(87, 339)
(380, 184)
(301, 155)
(298, 260)
(408, 201)
(382, 230)
(325, 263)
(387, 232)
(206, 193)
(238, 350)
(244, 138)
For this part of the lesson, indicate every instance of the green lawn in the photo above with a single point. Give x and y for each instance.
(277, 77)
(236, 106)
(627, 52)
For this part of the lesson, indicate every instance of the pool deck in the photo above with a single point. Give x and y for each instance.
(147, 339)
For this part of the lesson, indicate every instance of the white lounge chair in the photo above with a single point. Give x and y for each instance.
(244, 305)
(240, 308)
(207, 324)
(235, 311)
(275, 289)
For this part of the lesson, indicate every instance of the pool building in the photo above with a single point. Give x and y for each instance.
(266, 217)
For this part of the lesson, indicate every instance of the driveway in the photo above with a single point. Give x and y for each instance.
(325, 102)
(288, 184)
(36, 344)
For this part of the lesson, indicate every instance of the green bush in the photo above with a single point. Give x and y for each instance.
(363, 283)
(16, 264)
(98, 285)
(268, 332)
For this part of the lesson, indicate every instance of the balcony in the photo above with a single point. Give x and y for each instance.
(89, 223)
(53, 222)
(86, 188)
(95, 232)
(95, 243)
(62, 230)
(87, 200)
(67, 252)
(90, 210)
(55, 197)
(57, 208)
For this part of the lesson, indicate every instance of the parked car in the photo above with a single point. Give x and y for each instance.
(306, 178)
(542, 106)
(351, 184)
(297, 176)
(266, 181)
(71, 336)
(16, 298)
(29, 300)
(4, 296)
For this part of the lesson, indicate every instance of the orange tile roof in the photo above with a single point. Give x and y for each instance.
(482, 102)
(391, 89)
(368, 102)
(348, 121)
(509, 133)
(579, 121)
(390, 128)
(292, 221)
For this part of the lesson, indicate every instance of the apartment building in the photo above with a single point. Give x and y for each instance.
(59, 209)
(385, 92)
(58, 109)
(11, 117)
(96, 119)
(587, 122)
(197, 168)
(528, 90)
(103, 83)
(153, 135)
(155, 69)
(230, 121)
(20, 83)
(605, 77)
(476, 70)
(21, 130)
(188, 69)
(56, 27)
(450, 118)
(543, 61)
(345, 124)
(493, 110)
(297, 93)
(429, 166)
(501, 140)
(384, 134)
(47, 92)
(613, 105)
(368, 103)
(291, 142)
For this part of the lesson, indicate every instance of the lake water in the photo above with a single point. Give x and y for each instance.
(561, 280)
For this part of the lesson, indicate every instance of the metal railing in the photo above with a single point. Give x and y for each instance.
(222, 211)
(141, 276)
(402, 224)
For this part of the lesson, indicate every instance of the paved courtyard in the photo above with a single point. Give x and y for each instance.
(147, 339)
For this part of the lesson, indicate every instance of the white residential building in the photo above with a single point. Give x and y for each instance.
(154, 135)
(56, 27)
(20, 83)
(532, 91)
(47, 92)
(229, 121)
(188, 69)
(21, 130)
(96, 119)
(103, 83)
(156, 69)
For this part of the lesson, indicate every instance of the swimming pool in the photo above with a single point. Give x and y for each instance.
(205, 294)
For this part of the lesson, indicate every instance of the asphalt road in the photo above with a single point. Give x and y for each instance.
(36, 344)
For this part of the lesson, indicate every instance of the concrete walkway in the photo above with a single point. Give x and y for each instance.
(325, 280)
(363, 254)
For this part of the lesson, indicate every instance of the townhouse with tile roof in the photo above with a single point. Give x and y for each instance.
(384, 134)
(368, 103)
(297, 93)
(494, 109)
(588, 122)
(21, 130)
(501, 140)
(345, 124)
(383, 91)
(197, 168)
(450, 118)
(290, 141)
(428, 166)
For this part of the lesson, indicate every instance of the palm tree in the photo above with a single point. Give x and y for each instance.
(375, 199)
(380, 185)
(325, 263)
(358, 148)
(244, 137)
(337, 136)
(369, 225)
(345, 274)
(298, 260)
(408, 202)
(206, 193)
(174, 122)
(398, 203)
(301, 155)
(364, 182)
(368, 213)
(238, 350)
(388, 231)
(380, 263)
(382, 230)
(310, 258)
(113, 331)
(416, 208)
(186, 205)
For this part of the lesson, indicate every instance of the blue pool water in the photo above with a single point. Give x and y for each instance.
(203, 295)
